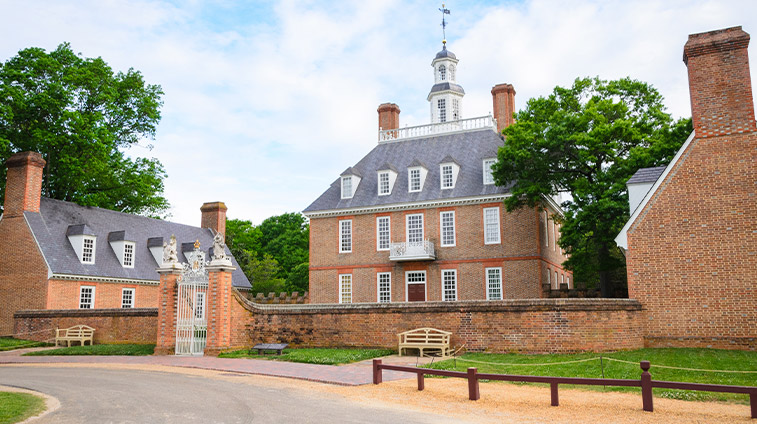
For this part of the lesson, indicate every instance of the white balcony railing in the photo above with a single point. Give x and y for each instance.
(412, 251)
(461, 125)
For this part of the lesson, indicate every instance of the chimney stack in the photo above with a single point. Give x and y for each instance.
(214, 216)
(719, 83)
(389, 116)
(23, 186)
(503, 98)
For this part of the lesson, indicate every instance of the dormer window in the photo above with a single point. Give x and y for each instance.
(350, 181)
(447, 180)
(488, 176)
(414, 182)
(383, 183)
(128, 255)
(448, 172)
(442, 73)
(123, 248)
(347, 187)
(88, 250)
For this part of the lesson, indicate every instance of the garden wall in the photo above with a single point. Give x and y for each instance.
(533, 325)
(136, 325)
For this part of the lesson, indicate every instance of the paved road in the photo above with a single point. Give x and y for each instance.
(131, 396)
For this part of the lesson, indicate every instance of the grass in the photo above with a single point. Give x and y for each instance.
(8, 343)
(313, 355)
(712, 359)
(16, 407)
(99, 349)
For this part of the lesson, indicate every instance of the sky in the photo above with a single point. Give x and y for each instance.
(266, 103)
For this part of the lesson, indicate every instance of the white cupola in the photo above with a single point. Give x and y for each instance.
(446, 96)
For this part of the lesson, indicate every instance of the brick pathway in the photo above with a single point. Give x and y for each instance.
(347, 375)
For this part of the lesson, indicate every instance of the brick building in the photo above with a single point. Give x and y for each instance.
(419, 218)
(59, 255)
(691, 241)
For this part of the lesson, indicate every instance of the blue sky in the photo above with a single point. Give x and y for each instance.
(266, 103)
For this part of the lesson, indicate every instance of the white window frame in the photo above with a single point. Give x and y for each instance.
(345, 236)
(388, 280)
(129, 256)
(407, 228)
(442, 228)
(446, 181)
(549, 277)
(345, 282)
(84, 258)
(347, 183)
(554, 231)
(442, 73)
(455, 109)
(130, 304)
(497, 223)
(425, 284)
(445, 274)
(451, 71)
(90, 304)
(488, 283)
(388, 233)
(487, 167)
(410, 179)
(441, 107)
(381, 175)
(546, 228)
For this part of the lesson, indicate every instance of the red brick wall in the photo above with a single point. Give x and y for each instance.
(519, 255)
(64, 294)
(219, 312)
(111, 325)
(23, 183)
(535, 326)
(214, 216)
(166, 320)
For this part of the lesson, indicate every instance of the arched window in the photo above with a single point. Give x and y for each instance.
(451, 72)
(442, 73)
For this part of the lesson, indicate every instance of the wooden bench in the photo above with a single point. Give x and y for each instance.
(425, 338)
(80, 333)
(278, 347)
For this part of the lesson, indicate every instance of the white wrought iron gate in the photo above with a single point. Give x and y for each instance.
(191, 320)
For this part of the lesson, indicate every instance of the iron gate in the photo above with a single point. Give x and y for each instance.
(191, 320)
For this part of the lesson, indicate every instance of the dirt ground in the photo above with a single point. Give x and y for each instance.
(500, 402)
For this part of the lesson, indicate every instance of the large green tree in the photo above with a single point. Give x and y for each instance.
(587, 140)
(82, 116)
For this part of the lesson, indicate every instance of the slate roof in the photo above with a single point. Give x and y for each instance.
(56, 217)
(468, 149)
(445, 53)
(444, 86)
(646, 175)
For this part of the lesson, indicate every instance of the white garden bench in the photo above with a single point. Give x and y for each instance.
(425, 338)
(80, 333)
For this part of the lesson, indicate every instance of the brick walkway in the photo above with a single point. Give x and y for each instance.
(346, 375)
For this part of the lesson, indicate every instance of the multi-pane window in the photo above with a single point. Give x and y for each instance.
(447, 177)
(383, 183)
(449, 285)
(345, 236)
(546, 229)
(491, 225)
(86, 297)
(415, 228)
(414, 183)
(127, 298)
(455, 109)
(129, 255)
(345, 288)
(451, 72)
(488, 177)
(88, 250)
(200, 305)
(442, 106)
(346, 187)
(494, 283)
(384, 286)
(442, 73)
(448, 228)
(383, 233)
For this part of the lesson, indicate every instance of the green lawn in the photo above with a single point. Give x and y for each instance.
(16, 407)
(313, 355)
(99, 349)
(712, 359)
(8, 343)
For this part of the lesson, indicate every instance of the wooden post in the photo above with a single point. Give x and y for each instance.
(473, 392)
(753, 402)
(421, 381)
(646, 386)
(376, 371)
(555, 396)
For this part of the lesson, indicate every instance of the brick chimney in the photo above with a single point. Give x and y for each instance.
(503, 98)
(23, 186)
(389, 116)
(719, 83)
(214, 216)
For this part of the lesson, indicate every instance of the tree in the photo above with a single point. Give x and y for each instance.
(286, 238)
(588, 140)
(81, 116)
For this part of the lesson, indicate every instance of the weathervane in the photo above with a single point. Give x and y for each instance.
(444, 11)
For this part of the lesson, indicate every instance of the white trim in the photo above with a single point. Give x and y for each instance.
(96, 279)
(425, 284)
(441, 176)
(499, 226)
(407, 227)
(133, 296)
(486, 282)
(411, 205)
(340, 287)
(622, 238)
(378, 286)
(483, 167)
(92, 299)
(341, 230)
(441, 229)
(454, 272)
(378, 234)
(49, 270)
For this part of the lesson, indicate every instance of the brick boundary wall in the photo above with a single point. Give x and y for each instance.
(136, 325)
(529, 326)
